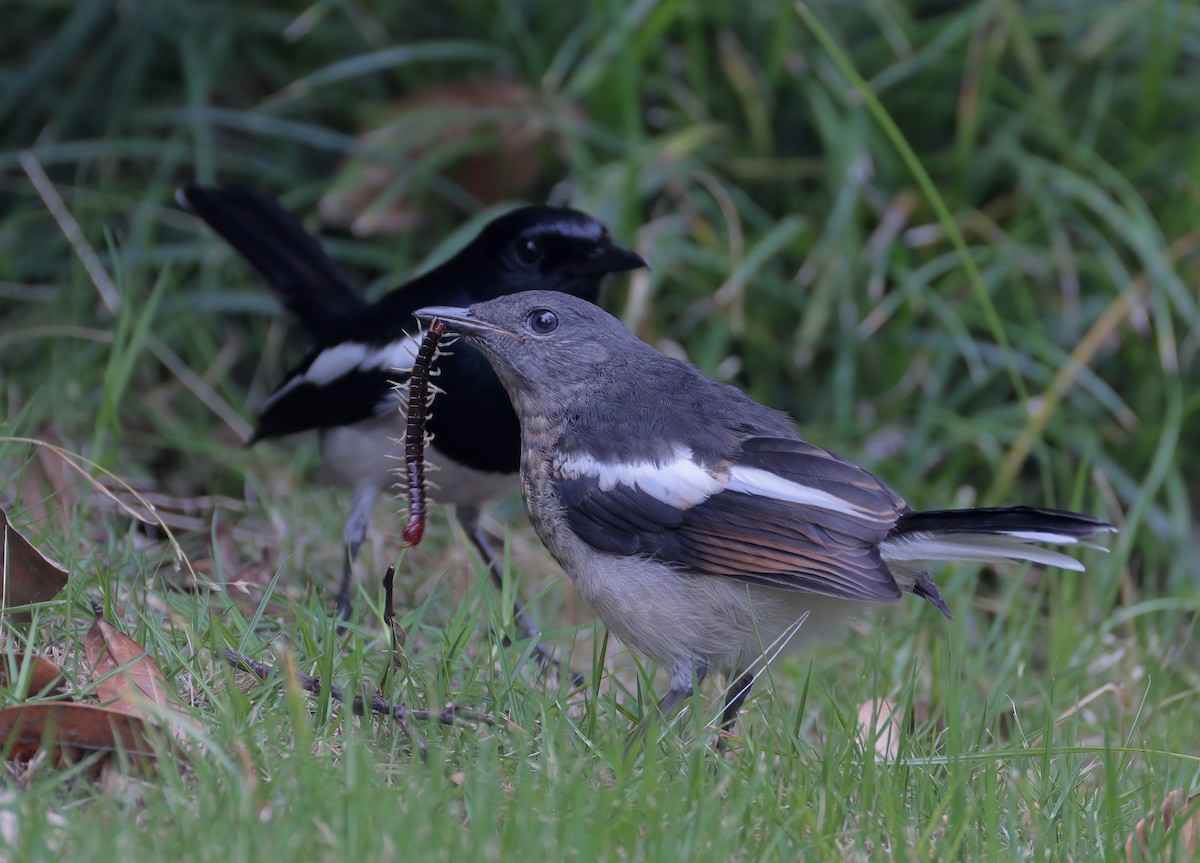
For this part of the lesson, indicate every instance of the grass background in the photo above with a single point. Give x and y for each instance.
(958, 242)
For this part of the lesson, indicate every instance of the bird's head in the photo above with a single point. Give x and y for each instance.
(545, 346)
(548, 248)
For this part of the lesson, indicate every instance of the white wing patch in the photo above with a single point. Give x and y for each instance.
(333, 362)
(683, 483)
(339, 360)
(680, 482)
(763, 483)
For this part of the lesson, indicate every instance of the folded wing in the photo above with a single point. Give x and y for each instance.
(779, 513)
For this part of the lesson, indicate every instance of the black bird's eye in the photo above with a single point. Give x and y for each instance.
(543, 321)
(529, 251)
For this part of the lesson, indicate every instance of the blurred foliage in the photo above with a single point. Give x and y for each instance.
(794, 252)
(958, 241)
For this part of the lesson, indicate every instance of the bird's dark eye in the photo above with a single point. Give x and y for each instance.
(529, 251)
(543, 321)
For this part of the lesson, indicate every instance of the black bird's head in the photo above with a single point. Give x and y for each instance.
(545, 346)
(546, 248)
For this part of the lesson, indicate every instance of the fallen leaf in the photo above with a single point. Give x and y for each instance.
(496, 140)
(122, 668)
(44, 678)
(1176, 806)
(71, 731)
(879, 728)
(48, 489)
(26, 575)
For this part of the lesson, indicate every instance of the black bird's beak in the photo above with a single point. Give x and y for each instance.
(609, 259)
(459, 320)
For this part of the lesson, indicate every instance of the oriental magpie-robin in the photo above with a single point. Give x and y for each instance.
(345, 386)
(697, 522)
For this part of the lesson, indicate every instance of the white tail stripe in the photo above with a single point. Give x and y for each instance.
(994, 548)
(1043, 536)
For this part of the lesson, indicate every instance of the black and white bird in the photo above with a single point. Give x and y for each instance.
(345, 387)
(697, 522)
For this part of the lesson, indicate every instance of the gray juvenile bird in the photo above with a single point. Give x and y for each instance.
(697, 522)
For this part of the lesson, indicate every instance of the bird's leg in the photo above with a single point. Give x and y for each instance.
(353, 536)
(685, 680)
(468, 517)
(735, 697)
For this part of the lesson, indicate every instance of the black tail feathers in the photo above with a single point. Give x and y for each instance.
(1014, 533)
(291, 260)
(1057, 526)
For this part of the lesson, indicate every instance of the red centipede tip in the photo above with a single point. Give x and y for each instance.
(412, 533)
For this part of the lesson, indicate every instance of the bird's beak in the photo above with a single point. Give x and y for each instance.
(609, 259)
(459, 320)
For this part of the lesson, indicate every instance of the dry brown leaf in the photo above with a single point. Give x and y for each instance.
(1175, 806)
(879, 728)
(126, 677)
(47, 490)
(45, 677)
(495, 139)
(71, 730)
(26, 575)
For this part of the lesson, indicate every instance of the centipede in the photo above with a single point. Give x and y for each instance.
(414, 433)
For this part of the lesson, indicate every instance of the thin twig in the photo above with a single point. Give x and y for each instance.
(395, 633)
(359, 705)
(389, 602)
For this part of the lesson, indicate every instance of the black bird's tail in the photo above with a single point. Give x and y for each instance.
(292, 260)
(996, 535)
